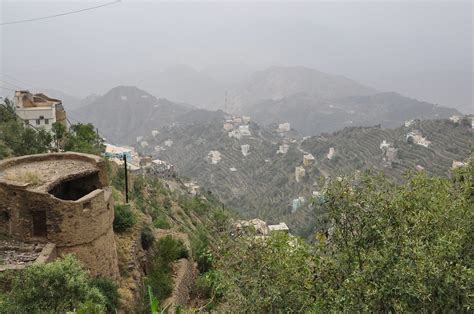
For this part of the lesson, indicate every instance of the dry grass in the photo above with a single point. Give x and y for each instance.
(28, 177)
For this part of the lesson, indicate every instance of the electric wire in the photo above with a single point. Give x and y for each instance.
(59, 14)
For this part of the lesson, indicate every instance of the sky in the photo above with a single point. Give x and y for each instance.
(421, 49)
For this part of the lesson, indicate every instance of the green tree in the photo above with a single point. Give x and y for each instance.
(83, 138)
(55, 287)
(264, 275)
(397, 248)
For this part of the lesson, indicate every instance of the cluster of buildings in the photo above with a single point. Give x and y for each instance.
(237, 126)
(257, 228)
(417, 138)
(214, 156)
(136, 163)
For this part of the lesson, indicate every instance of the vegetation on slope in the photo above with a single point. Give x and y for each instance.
(384, 247)
(264, 184)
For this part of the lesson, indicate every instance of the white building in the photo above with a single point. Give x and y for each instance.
(283, 149)
(214, 156)
(300, 173)
(244, 130)
(245, 149)
(39, 110)
(308, 160)
(284, 127)
(416, 137)
(155, 133)
(455, 119)
(331, 153)
(168, 143)
(246, 119)
(281, 227)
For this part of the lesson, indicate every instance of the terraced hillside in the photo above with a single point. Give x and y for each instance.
(262, 184)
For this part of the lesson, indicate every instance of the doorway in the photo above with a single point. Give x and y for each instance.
(39, 223)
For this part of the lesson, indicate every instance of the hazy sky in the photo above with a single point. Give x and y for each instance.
(420, 49)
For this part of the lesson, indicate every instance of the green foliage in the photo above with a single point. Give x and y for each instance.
(124, 218)
(147, 238)
(161, 222)
(83, 138)
(398, 247)
(55, 287)
(108, 289)
(388, 248)
(265, 275)
(166, 251)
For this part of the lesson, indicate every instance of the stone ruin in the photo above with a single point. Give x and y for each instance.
(57, 204)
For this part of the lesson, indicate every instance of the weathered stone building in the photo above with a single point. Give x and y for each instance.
(63, 199)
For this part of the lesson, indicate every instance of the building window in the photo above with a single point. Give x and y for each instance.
(46, 121)
(41, 117)
(38, 121)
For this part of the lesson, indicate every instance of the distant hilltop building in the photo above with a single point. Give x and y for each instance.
(308, 160)
(300, 173)
(455, 119)
(283, 149)
(284, 127)
(63, 203)
(39, 110)
(410, 123)
(245, 149)
(162, 169)
(416, 137)
(257, 227)
(214, 156)
(331, 153)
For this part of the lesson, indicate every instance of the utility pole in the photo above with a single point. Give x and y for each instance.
(126, 178)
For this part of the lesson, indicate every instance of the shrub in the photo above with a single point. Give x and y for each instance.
(108, 288)
(54, 287)
(161, 223)
(124, 218)
(166, 251)
(147, 238)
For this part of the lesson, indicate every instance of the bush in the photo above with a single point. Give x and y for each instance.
(161, 223)
(166, 251)
(55, 287)
(147, 238)
(108, 288)
(170, 249)
(124, 218)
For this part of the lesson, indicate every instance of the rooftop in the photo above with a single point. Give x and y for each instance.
(40, 172)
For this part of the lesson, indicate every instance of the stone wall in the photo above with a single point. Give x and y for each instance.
(83, 227)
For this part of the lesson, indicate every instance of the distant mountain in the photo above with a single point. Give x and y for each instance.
(70, 102)
(262, 183)
(276, 83)
(183, 83)
(126, 112)
(310, 114)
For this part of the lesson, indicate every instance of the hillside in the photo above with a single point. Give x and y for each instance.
(311, 114)
(278, 82)
(262, 184)
(126, 112)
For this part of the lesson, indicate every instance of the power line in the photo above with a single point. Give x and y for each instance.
(60, 14)
(15, 79)
(14, 85)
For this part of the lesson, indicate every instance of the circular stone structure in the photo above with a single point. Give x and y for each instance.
(63, 198)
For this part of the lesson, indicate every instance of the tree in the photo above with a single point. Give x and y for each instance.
(83, 138)
(265, 275)
(397, 248)
(55, 287)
